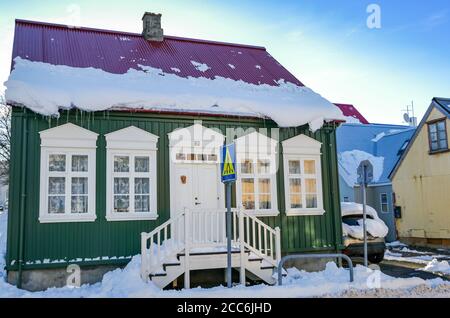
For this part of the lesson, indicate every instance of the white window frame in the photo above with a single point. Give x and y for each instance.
(132, 142)
(68, 140)
(256, 146)
(301, 148)
(381, 202)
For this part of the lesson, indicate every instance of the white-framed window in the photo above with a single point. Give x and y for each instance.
(67, 174)
(131, 175)
(384, 202)
(302, 176)
(256, 185)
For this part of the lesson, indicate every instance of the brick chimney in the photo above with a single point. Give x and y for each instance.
(152, 30)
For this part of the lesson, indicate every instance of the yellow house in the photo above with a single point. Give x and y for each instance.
(421, 181)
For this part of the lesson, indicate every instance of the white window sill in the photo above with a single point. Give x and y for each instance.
(305, 212)
(67, 218)
(126, 216)
(262, 213)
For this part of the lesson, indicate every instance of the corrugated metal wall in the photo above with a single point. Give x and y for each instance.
(94, 240)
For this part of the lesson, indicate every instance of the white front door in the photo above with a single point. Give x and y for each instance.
(197, 187)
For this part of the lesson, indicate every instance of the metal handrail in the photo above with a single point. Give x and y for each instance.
(302, 256)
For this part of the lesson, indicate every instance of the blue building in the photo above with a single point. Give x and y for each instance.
(382, 145)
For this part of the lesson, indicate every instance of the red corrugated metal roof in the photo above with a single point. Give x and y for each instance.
(116, 52)
(351, 111)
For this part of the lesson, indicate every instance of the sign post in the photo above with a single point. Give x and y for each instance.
(365, 176)
(228, 176)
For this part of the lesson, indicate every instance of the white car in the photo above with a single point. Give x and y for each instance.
(352, 229)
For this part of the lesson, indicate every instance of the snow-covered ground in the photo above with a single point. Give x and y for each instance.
(332, 282)
(434, 263)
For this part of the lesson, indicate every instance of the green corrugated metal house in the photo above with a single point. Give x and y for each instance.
(85, 185)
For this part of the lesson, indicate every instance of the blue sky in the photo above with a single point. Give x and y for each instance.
(326, 44)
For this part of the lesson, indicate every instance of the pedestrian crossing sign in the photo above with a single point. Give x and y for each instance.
(228, 163)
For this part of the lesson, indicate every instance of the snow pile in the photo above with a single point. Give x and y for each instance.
(436, 266)
(46, 88)
(352, 120)
(374, 225)
(349, 162)
(331, 281)
(383, 134)
(202, 67)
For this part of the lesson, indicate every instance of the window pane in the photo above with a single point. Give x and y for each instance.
(79, 204)
(294, 167)
(56, 185)
(142, 164)
(433, 128)
(434, 146)
(121, 203)
(441, 126)
(264, 201)
(264, 185)
(434, 136)
(80, 163)
(247, 166)
(310, 185)
(311, 201)
(142, 185)
(384, 207)
(263, 166)
(57, 163)
(142, 203)
(248, 201)
(79, 185)
(56, 204)
(383, 198)
(121, 164)
(181, 156)
(443, 144)
(212, 157)
(296, 201)
(121, 186)
(295, 186)
(310, 166)
(248, 185)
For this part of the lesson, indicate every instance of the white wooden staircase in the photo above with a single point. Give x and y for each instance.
(197, 240)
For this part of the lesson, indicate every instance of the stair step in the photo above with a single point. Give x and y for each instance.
(170, 264)
(267, 267)
(255, 259)
(157, 275)
(211, 253)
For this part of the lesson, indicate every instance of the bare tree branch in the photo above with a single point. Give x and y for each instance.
(5, 140)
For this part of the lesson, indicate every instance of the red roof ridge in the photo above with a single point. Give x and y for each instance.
(170, 37)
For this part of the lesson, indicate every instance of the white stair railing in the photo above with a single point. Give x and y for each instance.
(258, 237)
(165, 240)
(206, 228)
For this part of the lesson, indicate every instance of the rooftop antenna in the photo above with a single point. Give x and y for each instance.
(409, 117)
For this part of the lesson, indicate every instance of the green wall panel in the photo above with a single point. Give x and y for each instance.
(93, 240)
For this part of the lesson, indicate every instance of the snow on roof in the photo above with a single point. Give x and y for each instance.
(379, 140)
(155, 76)
(349, 162)
(46, 88)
